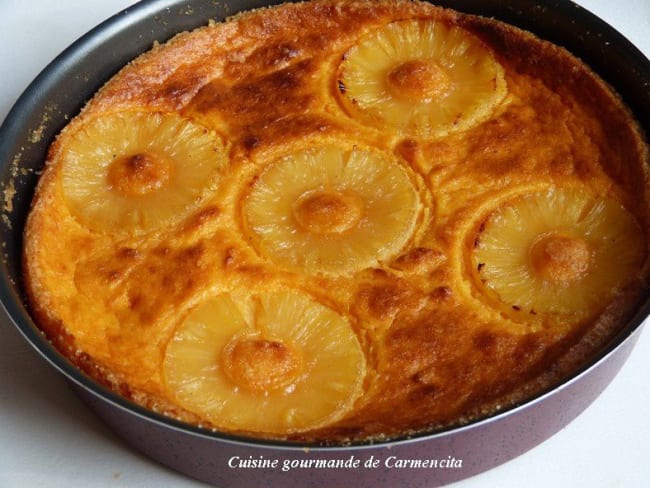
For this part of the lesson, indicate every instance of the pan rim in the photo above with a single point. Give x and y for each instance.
(17, 312)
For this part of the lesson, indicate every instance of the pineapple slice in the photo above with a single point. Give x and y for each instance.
(138, 171)
(331, 211)
(424, 78)
(558, 251)
(277, 363)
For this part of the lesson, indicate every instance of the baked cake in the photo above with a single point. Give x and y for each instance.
(341, 220)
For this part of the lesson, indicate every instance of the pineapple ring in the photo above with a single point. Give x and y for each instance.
(138, 171)
(557, 251)
(424, 78)
(332, 211)
(265, 365)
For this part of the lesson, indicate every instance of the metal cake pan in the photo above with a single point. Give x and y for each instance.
(62, 89)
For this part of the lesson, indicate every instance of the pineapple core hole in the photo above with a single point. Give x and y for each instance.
(559, 258)
(419, 80)
(139, 174)
(261, 365)
(327, 212)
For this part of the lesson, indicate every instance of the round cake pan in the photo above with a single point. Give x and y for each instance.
(62, 89)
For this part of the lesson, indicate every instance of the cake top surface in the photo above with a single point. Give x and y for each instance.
(363, 219)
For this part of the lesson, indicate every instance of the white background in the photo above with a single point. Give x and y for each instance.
(49, 439)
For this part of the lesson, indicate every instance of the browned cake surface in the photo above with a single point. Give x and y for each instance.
(440, 347)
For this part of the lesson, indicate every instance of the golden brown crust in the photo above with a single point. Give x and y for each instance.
(266, 82)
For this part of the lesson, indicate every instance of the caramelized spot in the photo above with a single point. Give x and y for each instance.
(163, 279)
(181, 86)
(261, 365)
(408, 149)
(441, 293)
(259, 100)
(419, 259)
(419, 80)
(139, 174)
(379, 273)
(428, 376)
(327, 212)
(273, 56)
(202, 217)
(113, 276)
(108, 270)
(163, 251)
(230, 257)
(384, 301)
(485, 341)
(128, 253)
(267, 133)
(559, 258)
(250, 142)
(135, 300)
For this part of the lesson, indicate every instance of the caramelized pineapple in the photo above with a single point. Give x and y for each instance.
(558, 251)
(423, 78)
(331, 211)
(137, 171)
(276, 363)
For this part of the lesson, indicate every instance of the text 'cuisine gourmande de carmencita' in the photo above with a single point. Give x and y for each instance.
(351, 462)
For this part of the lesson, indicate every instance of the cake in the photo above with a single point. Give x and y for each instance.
(338, 221)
